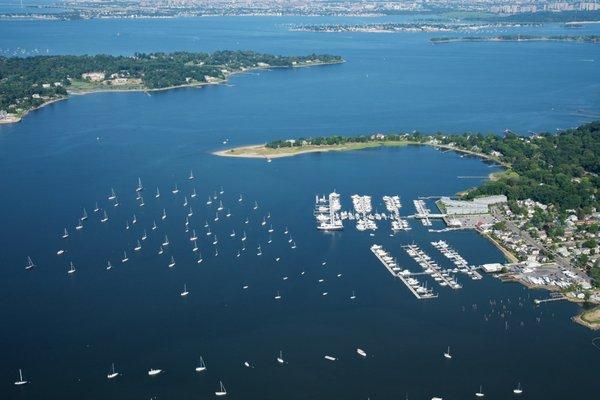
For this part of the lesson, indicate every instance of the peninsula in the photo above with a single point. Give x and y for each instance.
(549, 225)
(31, 82)
(519, 38)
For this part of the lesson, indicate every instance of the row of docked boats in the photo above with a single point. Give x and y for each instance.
(461, 264)
(440, 275)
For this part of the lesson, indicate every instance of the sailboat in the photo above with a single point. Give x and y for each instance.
(166, 242)
(199, 261)
(221, 191)
(240, 199)
(194, 237)
(221, 391)
(164, 214)
(216, 217)
(21, 381)
(195, 248)
(84, 215)
(144, 235)
(293, 245)
(361, 352)
(161, 250)
(270, 228)
(142, 204)
(232, 234)
(104, 217)
(518, 389)
(264, 222)
(190, 212)
(172, 262)
(228, 213)
(280, 359)
(125, 258)
(154, 372)
(127, 225)
(259, 251)
(139, 187)
(215, 241)
(71, 268)
(209, 201)
(286, 231)
(116, 203)
(185, 291)
(185, 202)
(244, 237)
(157, 195)
(278, 296)
(447, 354)
(175, 190)
(191, 177)
(79, 225)
(193, 195)
(29, 264)
(220, 208)
(480, 393)
(138, 246)
(255, 206)
(353, 296)
(96, 208)
(112, 195)
(154, 227)
(112, 374)
(247, 221)
(65, 234)
(270, 240)
(134, 220)
(201, 365)
(108, 265)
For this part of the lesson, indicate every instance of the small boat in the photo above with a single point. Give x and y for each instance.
(330, 358)
(221, 391)
(199, 261)
(270, 228)
(206, 224)
(201, 365)
(518, 389)
(65, 234)
(157, 195)
(247, 221)
(216, 217)
(164, 214)
(286, 231)
(139, 187)
(125, 258)
(259, 251)
(79, 226)
(138, 246)
(447, 354)
(247, 364)
(104, 217)
(361, 352)
(215, 241)
(96, 208)
(134, 220)
(220, 208)
(277, 259)
(195, 248)
(221, 191)
(127, 225)
(185, 291)
(293, 245)
(264, 222)
(166, 241)
(144, 235)
(278, 296)
(232, 234)
(108, 265)
(244, 237)
(71, 270)
(255, 206)
(269, 160)
(84, 215)
(480, 393)
(280, 359)
(240, 199)
(112, 374)
(116, 204)
(112, 195)
(245, 287)
(353, 296)
(154, 372)
(21, 381)
(270, 240)
(191, 177)
(193, 195)
(161, 250)
(324, 293)
(339, 275)
(194, 237)
(30, 263)
(175, 190)
(185, 202)
(228, 214)
(209, 201)
(60, 252)
(172, 262)
(142, 204)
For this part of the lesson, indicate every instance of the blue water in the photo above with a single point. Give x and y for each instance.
(65, 331)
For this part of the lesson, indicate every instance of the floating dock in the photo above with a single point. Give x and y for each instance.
(441, 276)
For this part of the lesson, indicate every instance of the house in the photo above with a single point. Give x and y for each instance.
(93, 76)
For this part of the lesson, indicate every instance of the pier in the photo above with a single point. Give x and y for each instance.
(430, 267)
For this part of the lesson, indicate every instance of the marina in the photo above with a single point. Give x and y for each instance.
(461, 264)
(440, 275)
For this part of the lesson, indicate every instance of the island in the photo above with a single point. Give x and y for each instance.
(548, 223)
(519, 38)
(411, 27)
(31, 82)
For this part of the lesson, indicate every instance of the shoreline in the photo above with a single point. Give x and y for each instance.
(15, 118)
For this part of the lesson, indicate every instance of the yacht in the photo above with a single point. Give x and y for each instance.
(172, 262)
(221, 391)
(154, 372)
(361, 352)
(139, 187)
(175, 190)
(280, 359)
(112, 374)
(21, 381)
(480, 393)
(447, 354)
(65, 234)
(201, 365)
(518, 389)
(185, 291)
(29, 264)
(71, 268)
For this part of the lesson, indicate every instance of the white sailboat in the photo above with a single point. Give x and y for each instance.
(194, 237)
(209, 201)
(164, 214)
(278, 296)
(215, 241)
(255, 206)
(191, 177)
(112, 195)
(221, 191)
(199, 261)
(244, 236)
(216, 217)
(144, 235)
(232, 234)
(175, 190)
(112, 374)
(108, 265)
(29, 264)
(361, 352)
(142, 204)
(190, 212)
(353, 296)
(134, 220)
(125, 258)
(228, 214)
(201, 365)
(330, 358)
(139, 187)
(79, 225)
(193, 195)
(71, 270)
(195, 248)
(154, 227)
(60, 252)
(84, 215)
(96, 208)
(138, 246)
(185, 291)
(161, 250)
(518, 389)
(172, 262)
(264, 222)
(240, 199)
(154, 372)
(127, 225)
(447, 354)
(293, 245)
(157, 195)
(259, 251)
(104, 217)
(65, 234)
(480, 393)
(116, 204)
(166, 241)
(185, 202)
(280, 359)
(221, 392)
(21, 381)
(270, 239)
(270, 228)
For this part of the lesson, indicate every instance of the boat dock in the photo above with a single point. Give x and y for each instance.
(423, 213)
(416, 288)
(430, 267)
(327, 212)
(457, 259)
